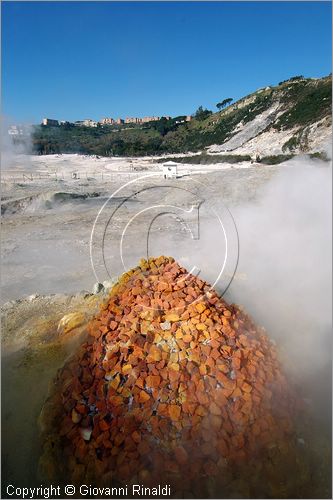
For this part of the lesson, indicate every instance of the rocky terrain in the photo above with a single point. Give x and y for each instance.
(173, 385)
(43, 337)
(48, 220)
(289, 124)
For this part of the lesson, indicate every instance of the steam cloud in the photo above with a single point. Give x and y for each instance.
(15, 148)
(285, 253)
(283, 278)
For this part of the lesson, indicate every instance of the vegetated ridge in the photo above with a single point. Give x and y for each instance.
(290, 118)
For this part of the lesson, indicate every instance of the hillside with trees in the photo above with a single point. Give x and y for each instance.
(299, 103)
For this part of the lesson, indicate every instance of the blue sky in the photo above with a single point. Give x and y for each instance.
(75, 60)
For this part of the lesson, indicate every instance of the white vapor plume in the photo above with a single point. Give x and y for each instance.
(285, 256)
(16, 143)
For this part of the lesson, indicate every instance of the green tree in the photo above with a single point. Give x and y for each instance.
(224, 103)
(202, 114)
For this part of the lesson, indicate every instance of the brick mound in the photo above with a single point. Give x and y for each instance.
(172, 383)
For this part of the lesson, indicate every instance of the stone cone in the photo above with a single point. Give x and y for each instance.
(172, 385)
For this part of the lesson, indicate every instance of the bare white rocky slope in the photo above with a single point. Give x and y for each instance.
(292, 123)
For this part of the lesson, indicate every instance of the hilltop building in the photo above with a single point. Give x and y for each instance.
(184, 119)
(89, 123)
(145, 119)
(132, 120)
(86, 123)
(17, 130)
(107, 121)
(50, 122)
(148, 119)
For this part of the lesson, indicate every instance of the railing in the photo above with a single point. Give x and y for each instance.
(36, 177)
